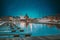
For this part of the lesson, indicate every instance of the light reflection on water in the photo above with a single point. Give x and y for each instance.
(38, 30)
(42, 30)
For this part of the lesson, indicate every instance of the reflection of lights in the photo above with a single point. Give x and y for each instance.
(30, 26)
(35, 25)
(22, 24)
(38, 25)
(41, 25)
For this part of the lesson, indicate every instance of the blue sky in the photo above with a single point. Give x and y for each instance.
(34, 8)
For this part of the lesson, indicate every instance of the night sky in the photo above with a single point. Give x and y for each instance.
(34, 8)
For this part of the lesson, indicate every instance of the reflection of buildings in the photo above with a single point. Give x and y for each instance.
(16, 19)
(49, 20)
(55, 19)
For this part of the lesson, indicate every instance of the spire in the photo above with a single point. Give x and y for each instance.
(26, 16)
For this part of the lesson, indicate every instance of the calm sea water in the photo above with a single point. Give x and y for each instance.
(35, 30)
